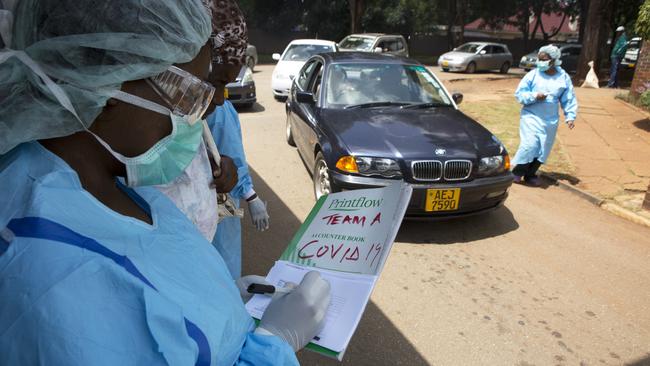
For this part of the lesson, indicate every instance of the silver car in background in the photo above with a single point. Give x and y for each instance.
(476, 56)
(393, 44)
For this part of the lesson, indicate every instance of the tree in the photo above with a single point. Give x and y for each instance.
(640, 77)
(357, 8)
(595, 36)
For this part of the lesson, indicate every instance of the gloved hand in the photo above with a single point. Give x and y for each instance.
(298, 316)
(258, 214)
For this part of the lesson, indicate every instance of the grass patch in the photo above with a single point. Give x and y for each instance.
(501, 117)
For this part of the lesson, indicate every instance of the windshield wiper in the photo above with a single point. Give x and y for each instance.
(374, 104)
(425, 105)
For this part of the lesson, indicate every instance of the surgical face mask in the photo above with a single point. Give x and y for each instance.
(188, 97)
(543, 65)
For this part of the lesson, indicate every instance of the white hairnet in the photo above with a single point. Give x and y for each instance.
(88, 48)
(553, 53)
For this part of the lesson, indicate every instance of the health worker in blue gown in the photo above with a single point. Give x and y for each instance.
(97, 267)
(228, 57)
(542, 92)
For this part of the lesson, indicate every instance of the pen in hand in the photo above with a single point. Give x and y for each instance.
(258, 288)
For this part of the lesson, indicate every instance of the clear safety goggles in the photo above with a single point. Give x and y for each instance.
(185, 94)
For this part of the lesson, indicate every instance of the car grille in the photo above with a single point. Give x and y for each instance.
(432, 170)
(457, 169)
(427, 170)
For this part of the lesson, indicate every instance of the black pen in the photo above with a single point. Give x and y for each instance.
(258, 288)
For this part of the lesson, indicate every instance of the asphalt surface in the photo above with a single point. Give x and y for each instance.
(549, 279)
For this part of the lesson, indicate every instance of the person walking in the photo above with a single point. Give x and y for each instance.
(618, 52)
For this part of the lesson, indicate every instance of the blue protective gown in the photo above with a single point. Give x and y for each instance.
(226, 130)
(539, 119)
(127, 293)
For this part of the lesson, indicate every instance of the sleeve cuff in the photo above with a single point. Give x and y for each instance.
(249, 194)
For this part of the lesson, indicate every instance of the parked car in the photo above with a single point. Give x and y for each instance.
(475, 56)
(570, 55)
(292, 59)
(393, 44)
(251, 57)
(362, 120)
(632, 53)
(241, 92)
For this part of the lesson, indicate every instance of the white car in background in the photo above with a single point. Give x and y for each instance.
(292, 60)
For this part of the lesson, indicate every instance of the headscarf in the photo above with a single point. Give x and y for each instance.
(553, 52)
(229, 32)
(64, 58)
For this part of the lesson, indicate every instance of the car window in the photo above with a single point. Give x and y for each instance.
(574, 51)
(400, 45)
(305, 75)
(357, 43)
(498, 49)
(393, 45)
(488, 49)
(468, 48)
(302, 52)
(359, 83)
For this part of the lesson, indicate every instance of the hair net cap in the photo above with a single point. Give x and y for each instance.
(89, 48)
(553, 52)
(620, 29)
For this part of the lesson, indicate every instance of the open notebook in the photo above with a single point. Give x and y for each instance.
(347, 238)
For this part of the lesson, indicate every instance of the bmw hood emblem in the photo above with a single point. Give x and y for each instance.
(440, 151)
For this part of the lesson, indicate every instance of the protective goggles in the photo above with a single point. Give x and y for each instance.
(185, 94)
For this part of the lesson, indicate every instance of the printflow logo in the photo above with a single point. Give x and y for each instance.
(354, 204)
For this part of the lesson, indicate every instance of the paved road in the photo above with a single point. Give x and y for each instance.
(549, 279)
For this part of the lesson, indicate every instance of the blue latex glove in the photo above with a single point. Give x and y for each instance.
(259, 215)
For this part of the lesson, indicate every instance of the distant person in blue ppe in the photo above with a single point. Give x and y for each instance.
(541, 92)
(618, 52)
(229, 55)
(97, 267)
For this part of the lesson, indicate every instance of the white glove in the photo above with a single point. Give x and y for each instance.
(258, 214)
(297, 316)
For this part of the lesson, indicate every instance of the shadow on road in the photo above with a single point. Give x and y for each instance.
(255, 108)
(377, 340)
(641, 362)
(643, 124)
(461, 230)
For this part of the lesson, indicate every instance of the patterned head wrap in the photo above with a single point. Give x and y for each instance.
(229, 33)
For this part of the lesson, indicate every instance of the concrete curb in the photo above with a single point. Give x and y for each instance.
(575, 190)
(633, 107)
(599, 202)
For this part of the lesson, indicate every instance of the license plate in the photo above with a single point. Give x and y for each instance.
(442, 199)
(445, 63)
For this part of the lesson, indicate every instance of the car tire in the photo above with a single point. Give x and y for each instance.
(525, 69)
(250, 63)
(471, 68)
(280, 98)
(504, 68)
(445, 70)
(289, 133)
(323, 183)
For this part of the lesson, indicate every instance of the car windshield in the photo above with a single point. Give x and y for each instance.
(468, 48)
(357, 43)
(367, 84)
(301, 52)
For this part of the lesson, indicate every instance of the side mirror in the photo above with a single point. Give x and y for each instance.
(457, 97)
(378, 50)
(483, 52)
(276, 56)
(305, 97)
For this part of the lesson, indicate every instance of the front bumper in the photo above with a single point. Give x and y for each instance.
(453, 65)
(242, 94)
(476, 196)
(281, 87)
(528, 65)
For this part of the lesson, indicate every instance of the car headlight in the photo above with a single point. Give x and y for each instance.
(369, 166)
(248, 76)
(524, 59)
(493, 165)
(378, 166)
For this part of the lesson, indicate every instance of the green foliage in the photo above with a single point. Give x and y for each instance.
(644, 99)
(327, 19)
(643, 21)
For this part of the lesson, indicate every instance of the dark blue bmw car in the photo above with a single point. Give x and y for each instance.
(362, 120)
